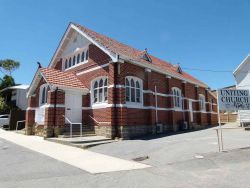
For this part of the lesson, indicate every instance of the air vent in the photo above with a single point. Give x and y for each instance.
(159, 128)
(146, 56)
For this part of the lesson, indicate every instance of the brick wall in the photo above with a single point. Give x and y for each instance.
(119, 116)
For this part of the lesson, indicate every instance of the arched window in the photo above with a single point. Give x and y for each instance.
(202, 102)
(177, 99)
(69, 62)
(100, 90)
(133, 89)
(66, 64)
(74, 60)
(87, 54)
(44, 89)
(43, 95)
(78, 59)
(82, 57)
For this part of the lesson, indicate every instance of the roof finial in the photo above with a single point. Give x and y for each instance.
(39, 64)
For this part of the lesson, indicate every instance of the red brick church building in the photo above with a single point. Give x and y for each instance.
(114, 90)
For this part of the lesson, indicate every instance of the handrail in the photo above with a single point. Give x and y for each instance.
(67, 119)
(17, 123)
(97, 122)
(94, 119)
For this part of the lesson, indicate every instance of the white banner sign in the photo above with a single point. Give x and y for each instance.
(232, 100)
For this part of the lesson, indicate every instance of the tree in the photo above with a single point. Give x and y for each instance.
(7, 66)
(3, 105)
(6, 81)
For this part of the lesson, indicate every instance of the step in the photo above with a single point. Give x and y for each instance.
(90, 141)
(78, 129)
(75, 135)
(92, 144)
(82, 142)
(78, 133)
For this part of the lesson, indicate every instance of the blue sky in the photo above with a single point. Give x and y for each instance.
(208, 34)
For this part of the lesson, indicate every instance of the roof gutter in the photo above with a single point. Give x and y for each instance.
(152, 67)
(240, 65)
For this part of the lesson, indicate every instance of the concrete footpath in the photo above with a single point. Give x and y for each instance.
(86, 160)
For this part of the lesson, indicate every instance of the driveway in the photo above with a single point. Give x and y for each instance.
(173, 160)
(163, 150)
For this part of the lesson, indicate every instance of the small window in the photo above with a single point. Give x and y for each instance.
(44, 89)
(87, 54)
(202, 102)
(100, 90)
(74, 60)
(78, 58)
(133, 90)
(82, 57)
(127, 90)
(43, 95)
(69, 62)
(177, 98)
(66, 64)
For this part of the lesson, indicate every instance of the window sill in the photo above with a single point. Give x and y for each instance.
(134, 104)
(102, 104)
(178, 108)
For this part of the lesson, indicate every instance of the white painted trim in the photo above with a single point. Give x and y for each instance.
(147, 70)
(140, 107)
(31, 108)
(32, 85)
(159, 70)
(117, 86)
(111, 54)
(92, 69)
(74, 66)
(114, 56)
(57, 105)
(140, 81)
(97, 79)
(60, 45)
(241, 65)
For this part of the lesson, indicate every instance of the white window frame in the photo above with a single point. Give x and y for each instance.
(202, 103)
(136, 79)
(75, 54)
(42, 87)
(177, 99)
(98, 102)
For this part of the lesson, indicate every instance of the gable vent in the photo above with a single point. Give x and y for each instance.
(146, 56)
(178, 68)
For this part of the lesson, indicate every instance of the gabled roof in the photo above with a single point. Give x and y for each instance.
(118, 49)
(56, 78)
(246, 60)
(59, 78)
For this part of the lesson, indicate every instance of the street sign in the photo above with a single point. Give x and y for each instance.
(233, 100)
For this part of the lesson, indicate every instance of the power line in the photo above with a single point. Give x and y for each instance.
(210, 70)
(207, 70)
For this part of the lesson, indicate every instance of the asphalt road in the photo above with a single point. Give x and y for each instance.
(173, 159)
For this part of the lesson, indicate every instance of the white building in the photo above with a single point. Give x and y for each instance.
(17, 95)
(242, 78)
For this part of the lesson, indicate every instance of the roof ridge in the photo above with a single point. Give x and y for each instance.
(103, 35)
(120, 48)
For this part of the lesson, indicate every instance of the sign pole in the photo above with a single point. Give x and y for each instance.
(219, 121)
(218, 138)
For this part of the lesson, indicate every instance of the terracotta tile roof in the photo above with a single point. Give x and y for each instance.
(122, 49)
(58, 78)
